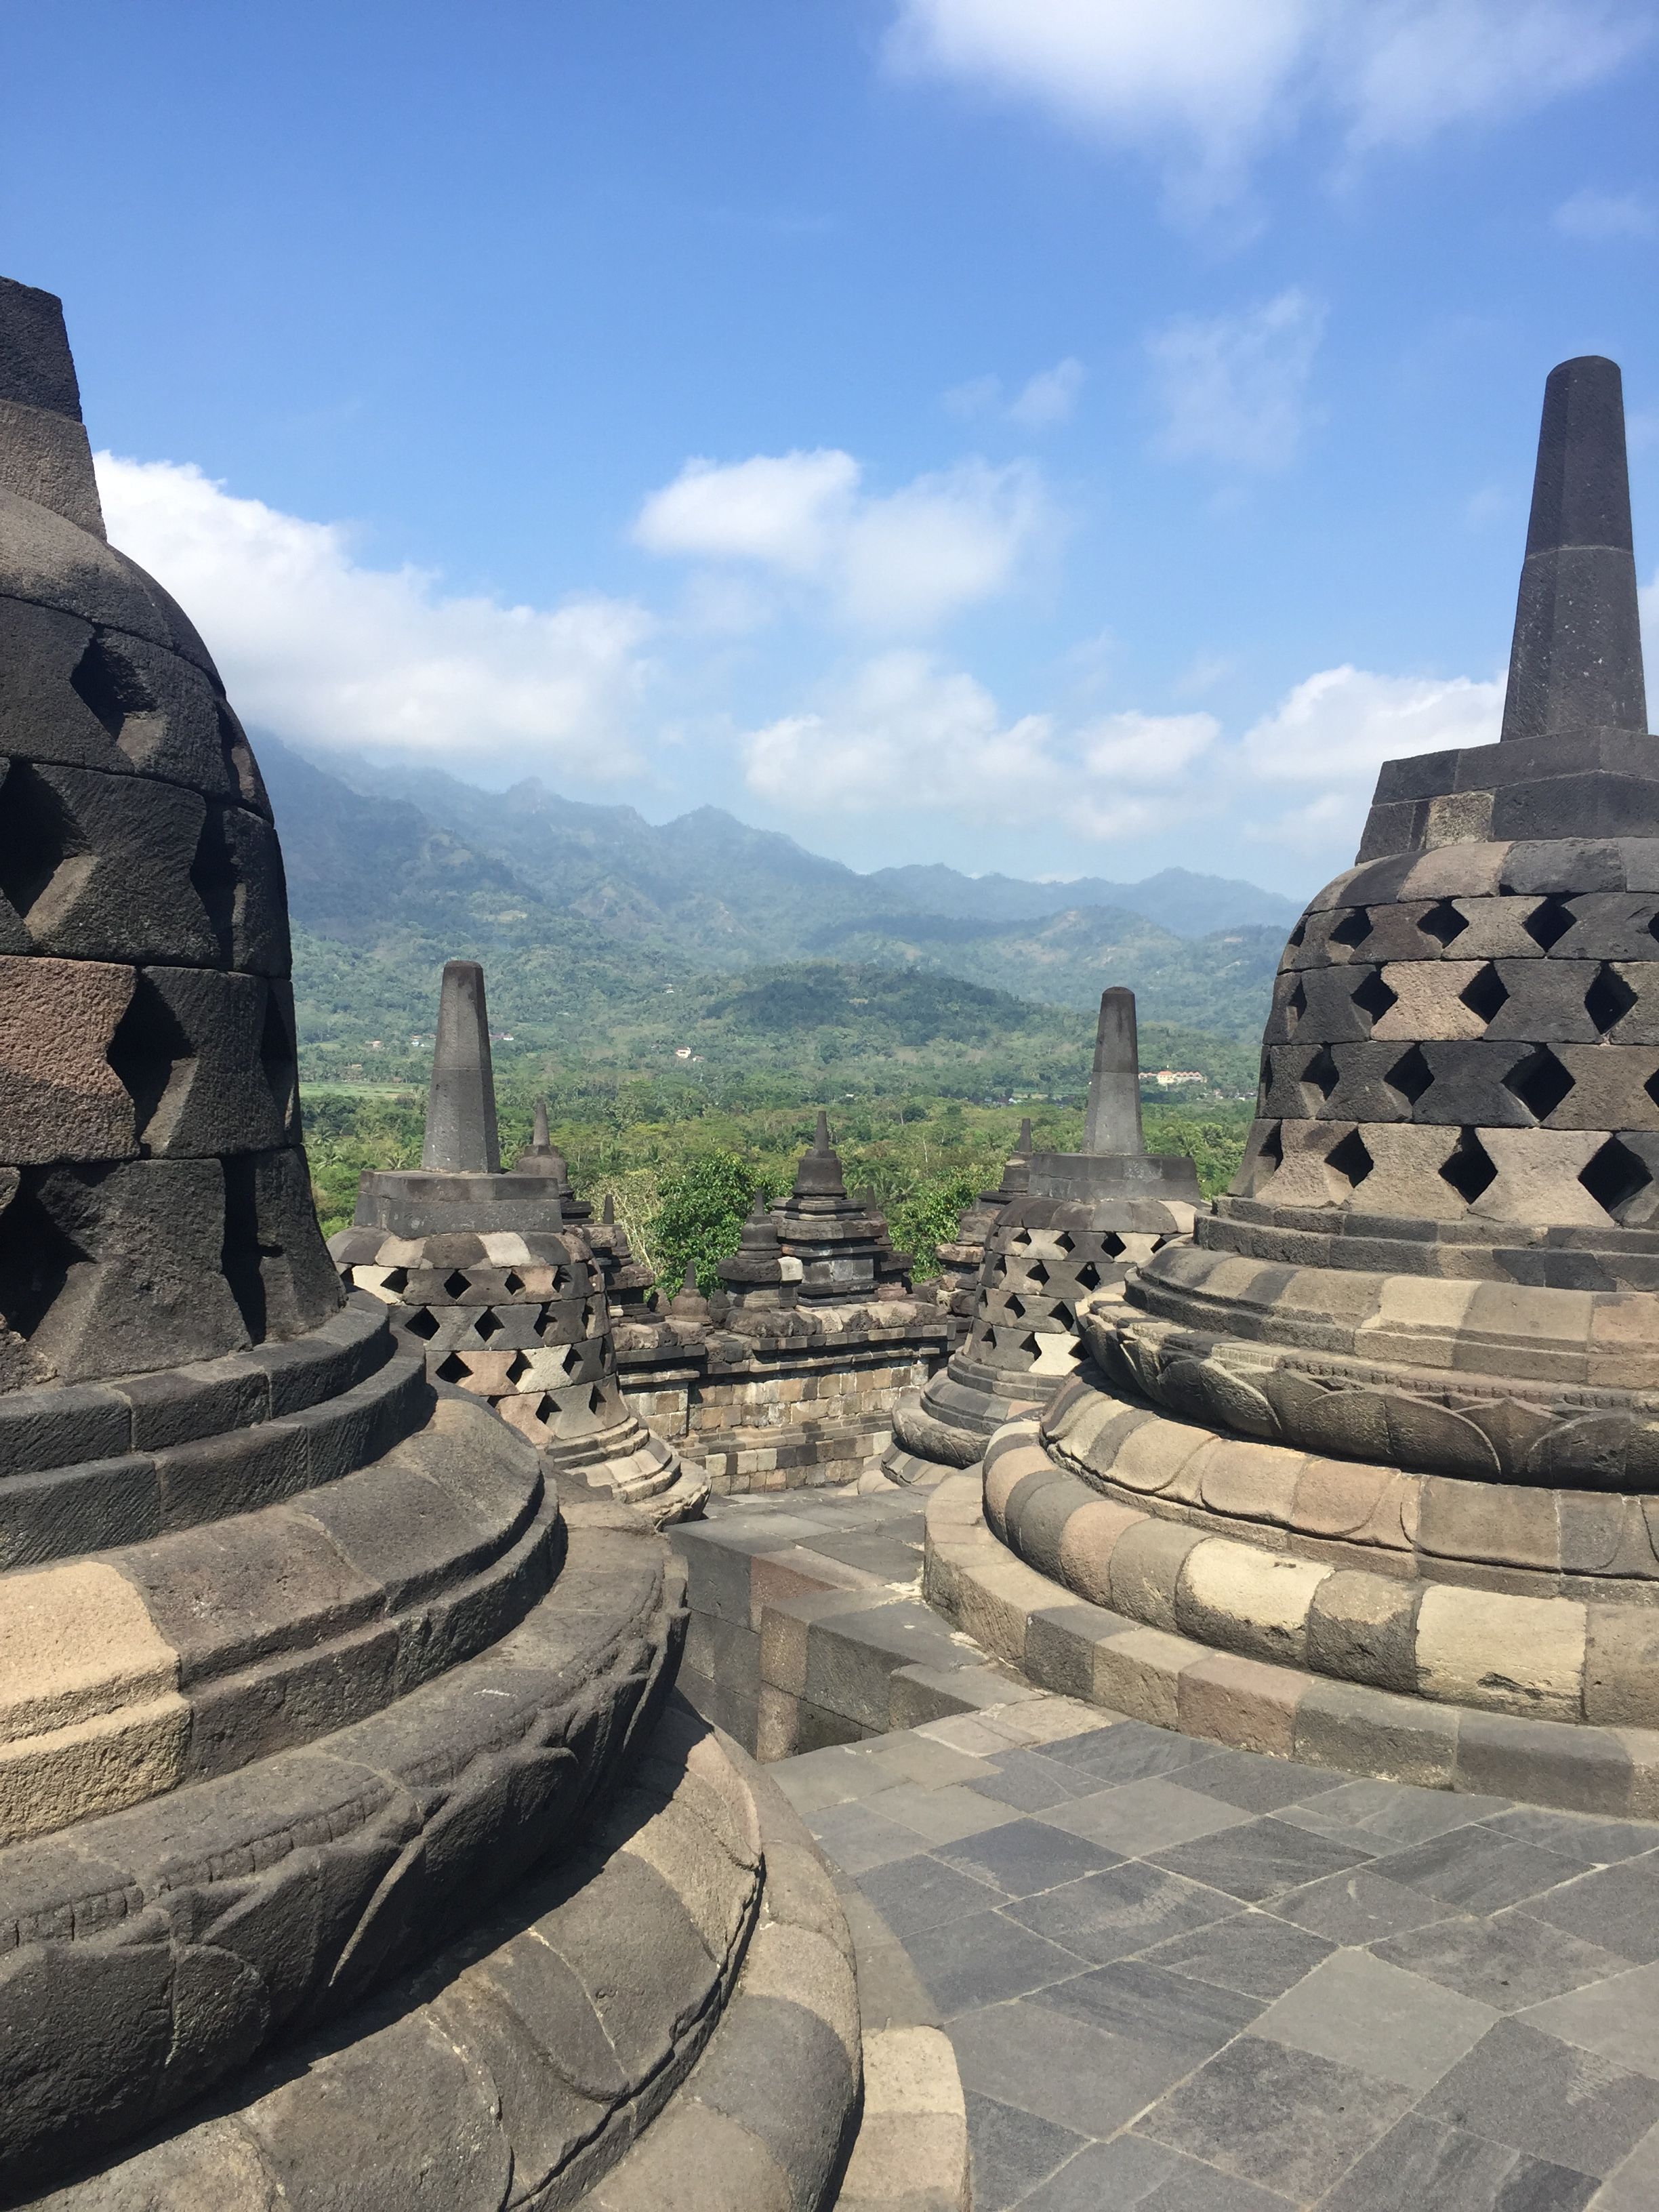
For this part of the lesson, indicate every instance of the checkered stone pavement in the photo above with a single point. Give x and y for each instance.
(1189, 1979)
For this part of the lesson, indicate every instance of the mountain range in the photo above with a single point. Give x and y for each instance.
(588, 917)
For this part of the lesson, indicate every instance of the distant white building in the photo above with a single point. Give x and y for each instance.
(682, 1052)
(1166, 1077)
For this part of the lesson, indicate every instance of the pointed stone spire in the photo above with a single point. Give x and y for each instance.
(608, 1214)
(1576, 663)
(1023, 1149)
(542, 1156)
(818, 1173)
(461, 1137)
(44, 451)
(1113, 1120)
(540, 1136)
(688, 1306)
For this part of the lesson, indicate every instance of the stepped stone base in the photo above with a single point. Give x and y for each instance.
(1035, 1621)
(671, 2018)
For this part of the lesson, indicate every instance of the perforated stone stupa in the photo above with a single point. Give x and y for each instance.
(345, 1858)
(1069, 1225)
(1390, 1418)
(491, 1277)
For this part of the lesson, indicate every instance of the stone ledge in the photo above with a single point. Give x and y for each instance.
(1062, 1642)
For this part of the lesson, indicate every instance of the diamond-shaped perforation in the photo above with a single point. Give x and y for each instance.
(1088, 1275)
(1322, 1072)
(1036, 1274)
(1614, 1176)
(1549, 922)
(1111, 1244)
(1350, 1159)
(455, 1368)
(41, 844)
(1608, 999)
(512, 1285)
(1411, 1075)
(396, 1282)
(1271, 1147)
(424, 1324)
(455, 1284)
(1298, 934)
(1373, 996)
(1443, 922)
(108, 683)
(489, 1323)
(1540, 1082)
(1296, 1005)
(1354, 927)
(1469, 1170)
(1484, 994)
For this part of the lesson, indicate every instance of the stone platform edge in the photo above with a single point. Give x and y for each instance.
(1063, 1643)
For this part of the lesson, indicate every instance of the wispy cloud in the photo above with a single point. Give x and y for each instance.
(1044, 400)
(1205, 87)
(906, 560)
(319, 647)
(1234, 388)
(1592, 215)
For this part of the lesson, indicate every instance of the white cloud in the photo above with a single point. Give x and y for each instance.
(1205, 86)
(903, 561)
(1050, 397)
(319, 648)
(1593, 214)
(1334, 730)
(976, 397)
(1233, 388)
(907, 735)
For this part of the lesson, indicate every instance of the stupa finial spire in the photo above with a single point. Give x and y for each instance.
(1576, 663)
(461, 1136)
(1113, 1122)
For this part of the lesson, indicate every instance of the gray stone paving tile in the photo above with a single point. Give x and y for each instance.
(1128, 1751)
(983, 1958)
(1360, 1906)
(1282, 2118)
(1508, 1961)
(857, 1839)
(1635, 2186)
(1258, 1956)
(1136, 1818)
(924, 1892)
(1423, 2167)
(1569, 2106)
(1617, 1906)
(1012, 2149)
(1619, 2017)
(1025, 1857)
(1262, 1859)
(1031, 1781)
(1576, 1835)
(1392, 1813)
(1479, 1870)
(1377, 2017)
(906, 1758)
(1245, 1778)
(942, 1815)
(814, 1779)
(1170, 2020)
(1062, 2069)
(1133, 2175)
(1125, 1909)
(882, 1552)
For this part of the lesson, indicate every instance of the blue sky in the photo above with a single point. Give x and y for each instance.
(1056, 435)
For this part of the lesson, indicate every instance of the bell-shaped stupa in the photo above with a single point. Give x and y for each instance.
(1067, 1226)
(489, 1275)
(1406, 1376)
